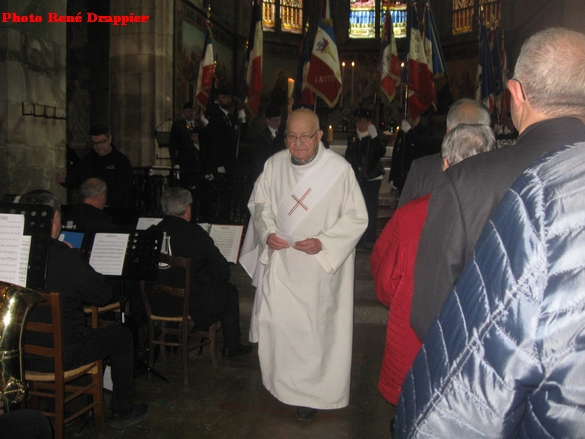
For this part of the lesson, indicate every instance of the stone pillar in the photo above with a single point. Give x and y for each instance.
(141, 63)
(32, 98)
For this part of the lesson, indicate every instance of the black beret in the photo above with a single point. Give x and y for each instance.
(272, 111)
(362, 112)
(188, 105)
(223, 90)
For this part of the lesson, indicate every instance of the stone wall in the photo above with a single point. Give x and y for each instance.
(32, 98)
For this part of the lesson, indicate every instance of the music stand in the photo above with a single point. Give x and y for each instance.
(38, 221)
(140, 263)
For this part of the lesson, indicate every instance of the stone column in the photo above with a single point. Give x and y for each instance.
(141, 63)
(32, 98)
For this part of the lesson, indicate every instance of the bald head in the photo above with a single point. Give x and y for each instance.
(468, 111)
(551, 72)
(303, 135)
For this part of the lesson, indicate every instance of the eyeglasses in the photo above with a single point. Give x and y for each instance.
(101, 142)
(521, 88)
(304, 138)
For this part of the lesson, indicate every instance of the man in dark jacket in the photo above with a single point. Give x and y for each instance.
(212, 297)
(78, 284)
(89, 213)
(547, 96)
(364, 151)
(106, 162)
(269, 141)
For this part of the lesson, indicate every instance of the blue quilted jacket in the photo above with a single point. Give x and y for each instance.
(506, 357)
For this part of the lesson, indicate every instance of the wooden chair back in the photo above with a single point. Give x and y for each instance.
(60, 384)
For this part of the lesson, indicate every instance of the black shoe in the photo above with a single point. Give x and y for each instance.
(236, 352)
(392, 426)
(136, 414)
(305, 413)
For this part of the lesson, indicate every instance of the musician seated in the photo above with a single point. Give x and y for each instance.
(212, 297)
(69, 274)
(89, 213)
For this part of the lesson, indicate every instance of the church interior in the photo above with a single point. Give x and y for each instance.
(60, 77)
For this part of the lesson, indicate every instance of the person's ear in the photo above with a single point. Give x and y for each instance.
(445, 164)
(516, 92)
(319, 135)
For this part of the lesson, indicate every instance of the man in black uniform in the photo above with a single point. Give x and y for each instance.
(78, 284)
(106, 162)
(212, 297)
(269, 141)
(89, 213)
(364, 151)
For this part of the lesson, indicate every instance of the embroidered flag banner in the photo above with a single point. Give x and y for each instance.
(302, 94)
(324, 75)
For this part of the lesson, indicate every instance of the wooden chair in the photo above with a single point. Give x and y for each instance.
(94, 312)
(62, 385)
(201, 336)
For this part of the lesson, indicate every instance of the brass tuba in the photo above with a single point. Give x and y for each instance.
(15, 304)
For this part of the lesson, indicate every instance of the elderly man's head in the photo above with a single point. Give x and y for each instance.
(467, 111)
(93, 191)
(464, 141)
(46, 198)
(303, 135)
(177, 201)
(549, 78)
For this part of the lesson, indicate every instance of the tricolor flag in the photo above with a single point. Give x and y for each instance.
(388, 64)
(324, 75)
(254, 71)
(206, 70)
(301, 93)
(485, 91)
(421, 85)
(433, 49)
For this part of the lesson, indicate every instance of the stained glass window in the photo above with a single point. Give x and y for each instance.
(362, 17)
(463, 16)
(289, 13)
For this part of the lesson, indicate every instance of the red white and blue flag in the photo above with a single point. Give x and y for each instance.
(324, 75)
(206, 70)
(254, 81)
(301, 93)
(388, 63)
(433, 49)
(485, 81)
(419, 76)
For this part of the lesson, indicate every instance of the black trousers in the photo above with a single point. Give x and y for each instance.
(218, 302)
(115, 342)
(370, 190)
(25, 424)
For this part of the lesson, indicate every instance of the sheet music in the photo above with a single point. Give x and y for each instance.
(11, 234)
(144, 223)
(23, 263)
(227, 239)
(108, 252)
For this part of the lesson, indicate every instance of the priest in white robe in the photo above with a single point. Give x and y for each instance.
(308, 214)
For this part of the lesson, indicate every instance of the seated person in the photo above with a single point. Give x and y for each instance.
(89, 213)
(69, 273)
(393, 257)
(212, 297)
(24, 424)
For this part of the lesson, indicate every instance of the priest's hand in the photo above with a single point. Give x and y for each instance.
(276, 243)
(310, 246)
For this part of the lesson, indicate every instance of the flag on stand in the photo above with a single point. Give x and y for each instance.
(485, 91)
(433, 49)
(505, 101)
(206, 70)
(301, 93)
(254, 71)
(419, 77)
(388, 64)
(324, 75)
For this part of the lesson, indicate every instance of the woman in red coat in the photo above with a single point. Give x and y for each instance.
(392, 263)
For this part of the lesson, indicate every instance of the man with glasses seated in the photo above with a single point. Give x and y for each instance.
(104, 161)
(308, 214)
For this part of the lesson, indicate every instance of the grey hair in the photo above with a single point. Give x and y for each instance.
(175, 200)
(92, 188)
(42, 197)
(466, 140)
(551, 71)
(467, 111)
